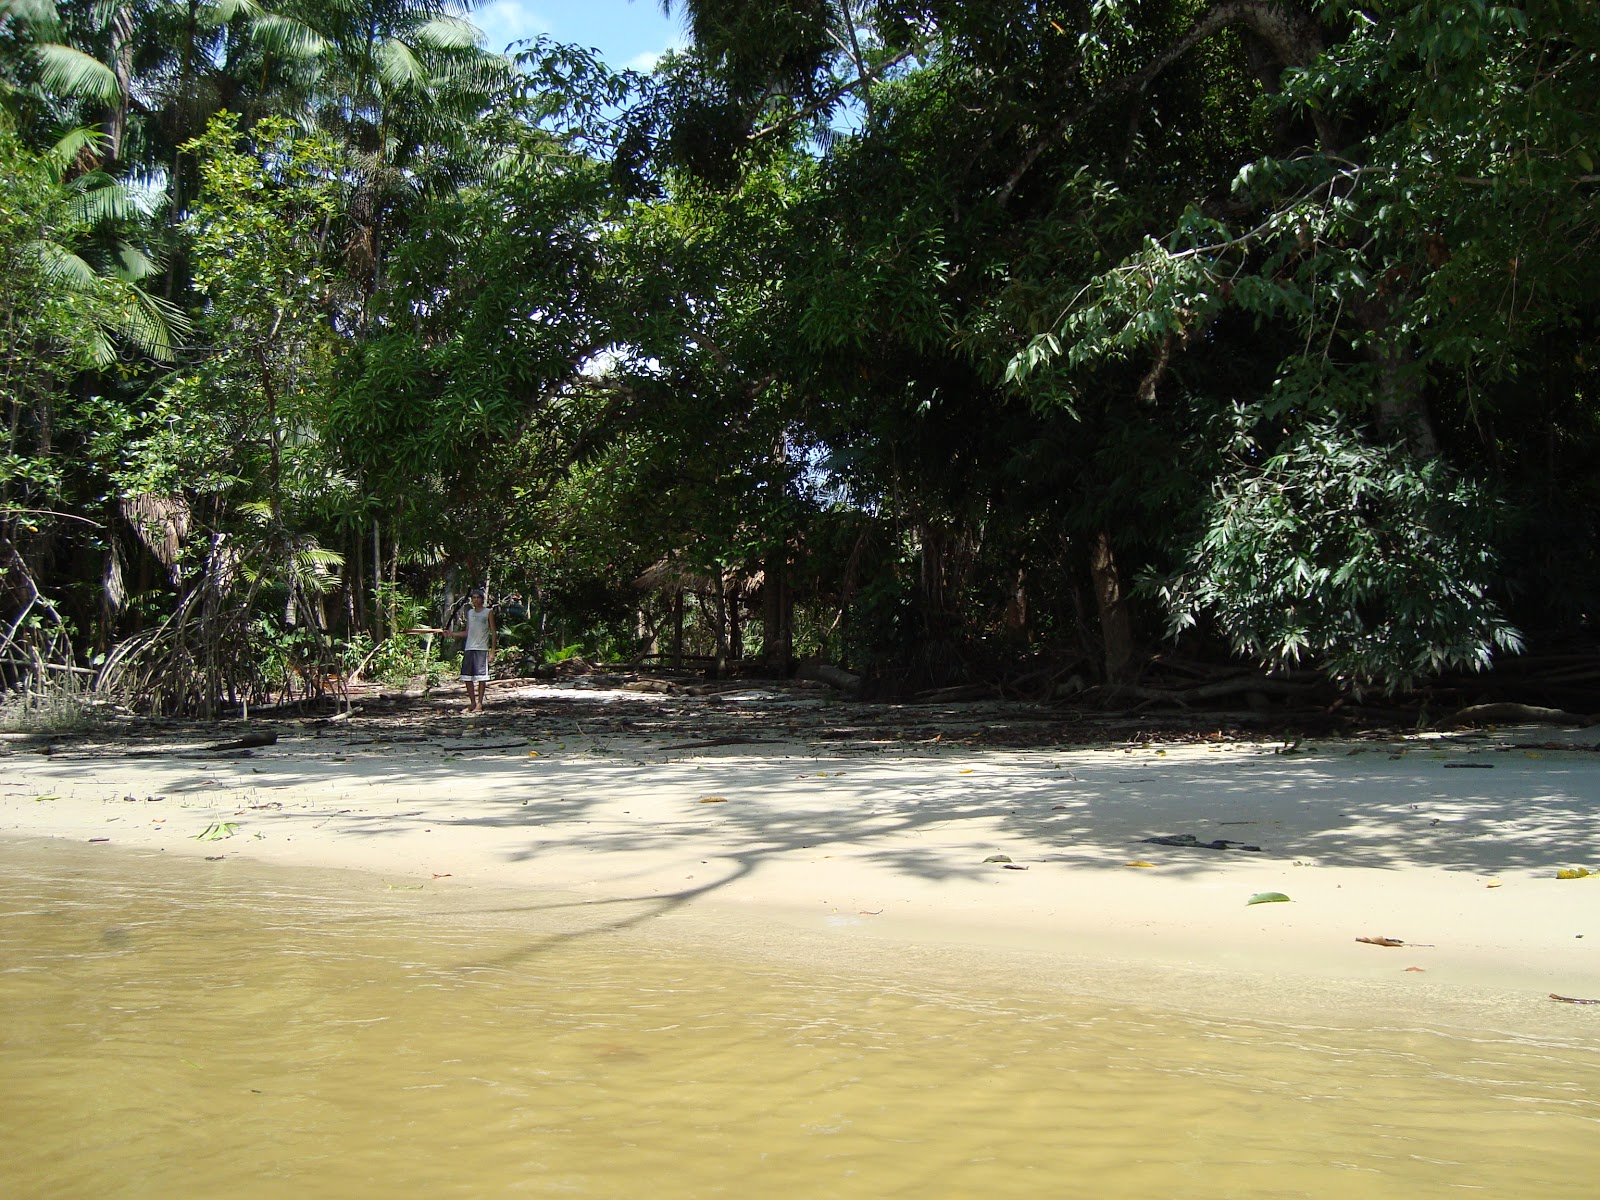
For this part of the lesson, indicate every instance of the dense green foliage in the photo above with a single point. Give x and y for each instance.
(946, 340)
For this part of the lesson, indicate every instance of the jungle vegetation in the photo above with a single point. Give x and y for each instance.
(1034, 344)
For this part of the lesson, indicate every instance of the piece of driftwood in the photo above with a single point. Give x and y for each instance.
(1190, 841)
(240, 745)
(250, 741)
(1524, 714)
(960, 693)
(721, 741)
(1241, 685)
(654, 687)
(835, 677)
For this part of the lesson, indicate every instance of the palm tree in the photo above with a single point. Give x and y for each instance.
(45, 80)
(400, 84)
(71, 304)
(72, 272)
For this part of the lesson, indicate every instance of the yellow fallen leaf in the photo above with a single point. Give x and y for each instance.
(1494, 883)
(968, 771)
(533, 754)
(713, 800)
(1138, 862)
(1574, 873)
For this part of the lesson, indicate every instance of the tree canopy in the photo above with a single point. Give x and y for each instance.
(1001, 341)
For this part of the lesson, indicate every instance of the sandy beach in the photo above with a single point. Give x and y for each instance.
(788, 819)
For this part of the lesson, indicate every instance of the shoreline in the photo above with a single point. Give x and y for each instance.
(875, 854)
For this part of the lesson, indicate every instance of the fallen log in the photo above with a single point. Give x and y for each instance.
(1506, 713)
(1242, 685)
(250, 741)
(832, 676)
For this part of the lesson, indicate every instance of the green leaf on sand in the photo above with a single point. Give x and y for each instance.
(1268, 898)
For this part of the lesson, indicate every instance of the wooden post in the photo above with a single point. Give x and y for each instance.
(677, 628)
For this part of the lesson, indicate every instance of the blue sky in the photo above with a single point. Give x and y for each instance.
(628, 33)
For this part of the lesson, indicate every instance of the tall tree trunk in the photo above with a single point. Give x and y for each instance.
(1116, 631)
(357, 582)
(377, 579)
(947, 554)
(1402, 408)
(777, 613)
(392, 610)
(719, 608)
(1017, 603)
(116, 122)
(677, 628)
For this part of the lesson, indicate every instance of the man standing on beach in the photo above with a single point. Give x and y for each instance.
(482, 639)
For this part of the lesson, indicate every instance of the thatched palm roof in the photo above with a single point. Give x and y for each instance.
(674, 575)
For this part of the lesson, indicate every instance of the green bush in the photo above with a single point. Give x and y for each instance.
(565, 653)
(1358, 558)
(395, 660)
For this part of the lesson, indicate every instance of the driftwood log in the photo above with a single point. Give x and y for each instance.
(1518, 714)
(250, 741)
(834, 677)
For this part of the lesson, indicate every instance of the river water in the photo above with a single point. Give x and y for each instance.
(177, 1028)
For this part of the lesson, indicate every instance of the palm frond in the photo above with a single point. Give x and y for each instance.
(260, 510)
(99, 348)
(60, 265)
(147, 323)
(448, 33)
(39, 15)
(287, 37)
(132, 264)
(69, 72)
(399, 67)
(318, 558)
(223, 11)
(70, 148)
(95, 200)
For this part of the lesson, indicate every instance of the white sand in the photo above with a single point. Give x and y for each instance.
(1449, 844)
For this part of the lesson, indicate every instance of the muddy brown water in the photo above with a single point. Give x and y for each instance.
(176, 1028)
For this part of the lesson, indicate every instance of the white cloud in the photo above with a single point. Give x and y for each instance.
(646, 62)
(507, 21)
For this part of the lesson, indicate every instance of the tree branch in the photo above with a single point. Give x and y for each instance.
(1293, 37)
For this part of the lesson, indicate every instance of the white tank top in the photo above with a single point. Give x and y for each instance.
(478, 628)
